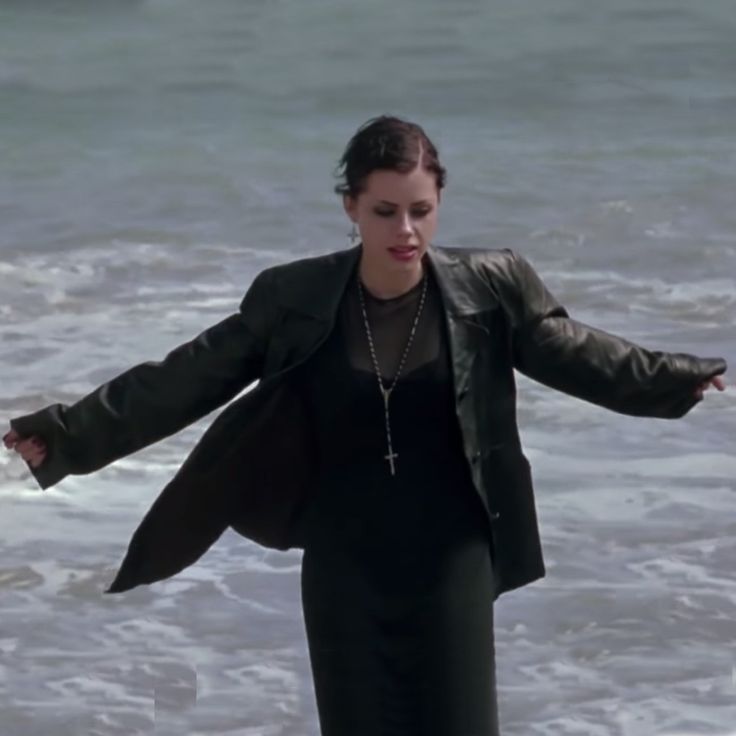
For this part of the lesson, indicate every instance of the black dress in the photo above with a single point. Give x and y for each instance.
(397, 578)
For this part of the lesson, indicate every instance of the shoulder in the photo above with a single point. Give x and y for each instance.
(508, 275)
(311, 284)
(496, 264)
(477, 258)
(306, 265)
(500, 267)
(282, 278)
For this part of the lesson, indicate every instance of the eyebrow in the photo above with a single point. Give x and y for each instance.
(419, 201)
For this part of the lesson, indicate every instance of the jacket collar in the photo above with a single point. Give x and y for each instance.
(317, 288)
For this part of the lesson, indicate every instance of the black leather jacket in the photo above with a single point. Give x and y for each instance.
(252, 468)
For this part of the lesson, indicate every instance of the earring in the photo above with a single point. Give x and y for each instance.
(353, 235)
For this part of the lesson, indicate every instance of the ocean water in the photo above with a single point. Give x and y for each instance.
(155, 155)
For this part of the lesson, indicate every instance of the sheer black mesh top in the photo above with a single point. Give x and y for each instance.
(390, 322)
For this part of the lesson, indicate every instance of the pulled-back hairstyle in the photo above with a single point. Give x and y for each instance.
(386, 142)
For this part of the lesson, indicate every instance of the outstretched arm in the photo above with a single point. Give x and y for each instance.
(604, 369)
(155, 399)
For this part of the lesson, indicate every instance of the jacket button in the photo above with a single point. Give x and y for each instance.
(476, 456)
(494, 515)
(463, 393)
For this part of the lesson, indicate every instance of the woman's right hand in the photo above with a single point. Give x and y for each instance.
(32, 449)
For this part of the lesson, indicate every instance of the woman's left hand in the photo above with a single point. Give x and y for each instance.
(716, 381)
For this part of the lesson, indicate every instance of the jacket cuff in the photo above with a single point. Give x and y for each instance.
(46, 424)
(711, 367)
(697, 371)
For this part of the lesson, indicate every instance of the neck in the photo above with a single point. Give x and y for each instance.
(388, 284)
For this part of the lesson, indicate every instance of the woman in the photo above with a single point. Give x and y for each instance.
(382, 439)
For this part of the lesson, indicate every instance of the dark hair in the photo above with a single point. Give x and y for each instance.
(386, 142)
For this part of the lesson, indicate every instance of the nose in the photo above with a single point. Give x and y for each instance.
(405, 227)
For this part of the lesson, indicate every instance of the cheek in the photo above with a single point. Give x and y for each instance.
(375, 226)
(429, 224)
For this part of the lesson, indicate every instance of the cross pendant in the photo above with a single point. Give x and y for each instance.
(390, 457)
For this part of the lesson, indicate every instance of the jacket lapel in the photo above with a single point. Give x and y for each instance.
(465, 298)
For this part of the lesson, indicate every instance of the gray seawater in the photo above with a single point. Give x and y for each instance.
(156, 154)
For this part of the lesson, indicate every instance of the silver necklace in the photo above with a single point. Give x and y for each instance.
(386, 392)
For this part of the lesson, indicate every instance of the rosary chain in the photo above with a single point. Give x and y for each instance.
(386, 393)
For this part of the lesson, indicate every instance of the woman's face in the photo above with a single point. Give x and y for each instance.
(397, 217)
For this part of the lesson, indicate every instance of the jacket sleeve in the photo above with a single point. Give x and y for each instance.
(155, 399)
(590, 364)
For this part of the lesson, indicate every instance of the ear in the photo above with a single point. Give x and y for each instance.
(350, 206)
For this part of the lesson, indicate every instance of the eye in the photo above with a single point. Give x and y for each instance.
(389, 213)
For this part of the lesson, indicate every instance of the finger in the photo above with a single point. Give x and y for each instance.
(34, 462)
(10, 438)
(20, 443)
(32, 453)
(33, 450)
(25, 445)
(33, 446)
